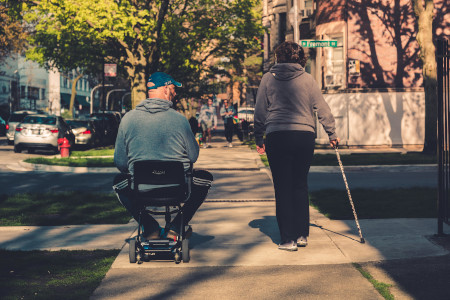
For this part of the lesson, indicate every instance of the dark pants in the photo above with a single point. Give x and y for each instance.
(229, 127)
(290, 154)
(149, 224)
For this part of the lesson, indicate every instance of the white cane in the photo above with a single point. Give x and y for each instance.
(349, 195)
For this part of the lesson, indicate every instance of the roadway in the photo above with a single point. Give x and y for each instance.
(15, 181)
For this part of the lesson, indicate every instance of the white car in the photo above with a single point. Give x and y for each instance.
(246, 114)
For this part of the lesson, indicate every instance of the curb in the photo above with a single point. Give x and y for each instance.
(65, 169)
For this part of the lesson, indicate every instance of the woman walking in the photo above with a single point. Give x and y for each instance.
(285, 104)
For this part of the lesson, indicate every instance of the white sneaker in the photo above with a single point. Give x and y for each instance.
(302, 241)
(204, 146)
(288, 246)
(230, 145)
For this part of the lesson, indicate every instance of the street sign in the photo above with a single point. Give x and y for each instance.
(110, 70)
(317, 44)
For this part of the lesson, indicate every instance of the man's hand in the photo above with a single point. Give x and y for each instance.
(261, 150)
(334, 143)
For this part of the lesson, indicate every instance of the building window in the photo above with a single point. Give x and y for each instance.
(33, 93)
(308, 8)
(42, 94)
(334, 65)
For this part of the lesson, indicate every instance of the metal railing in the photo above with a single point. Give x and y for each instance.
(443, 93)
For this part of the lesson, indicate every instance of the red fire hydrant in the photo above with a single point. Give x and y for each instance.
(64, 146)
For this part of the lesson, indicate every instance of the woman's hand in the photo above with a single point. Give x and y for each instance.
(334, 143)
(261, 150)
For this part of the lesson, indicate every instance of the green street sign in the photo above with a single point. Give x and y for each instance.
(317, 44)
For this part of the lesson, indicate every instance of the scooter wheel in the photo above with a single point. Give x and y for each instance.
(185, 251)
(132, 251)
(177, 257)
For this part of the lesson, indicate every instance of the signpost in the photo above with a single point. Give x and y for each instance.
(318, 44)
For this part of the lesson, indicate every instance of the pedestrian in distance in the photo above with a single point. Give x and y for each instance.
(155, 131)
(228, 113)
(289, 126)
(208, 122)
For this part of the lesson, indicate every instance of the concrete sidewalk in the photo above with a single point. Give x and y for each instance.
(234, 245)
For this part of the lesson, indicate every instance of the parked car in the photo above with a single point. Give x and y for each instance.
(110, 125)
(85, 132)
(116, 114)
(246, 114)
(2, 126)
(14, 119)
(41, 132)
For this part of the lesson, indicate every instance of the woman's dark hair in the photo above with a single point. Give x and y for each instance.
(290, 52)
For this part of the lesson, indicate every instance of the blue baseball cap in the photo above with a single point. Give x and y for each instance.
(159, 79)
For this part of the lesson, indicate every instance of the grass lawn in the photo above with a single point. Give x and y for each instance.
(94, 152)
(377, 204)
(65, 208)
(358, 159)
(52, 275)
(101, 162)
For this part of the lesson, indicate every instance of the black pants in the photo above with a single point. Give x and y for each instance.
(199, 191)
(290, 154)
(229, 127)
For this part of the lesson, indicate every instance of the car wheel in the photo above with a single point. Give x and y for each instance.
(17, 149)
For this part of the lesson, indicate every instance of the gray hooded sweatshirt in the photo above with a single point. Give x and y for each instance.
(286, 100)
(154, 131)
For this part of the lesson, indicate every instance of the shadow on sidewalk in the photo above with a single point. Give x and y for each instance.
(268, 226)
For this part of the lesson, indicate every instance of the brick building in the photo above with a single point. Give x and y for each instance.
(372, 78)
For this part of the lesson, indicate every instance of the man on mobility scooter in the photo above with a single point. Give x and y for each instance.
(153, 131)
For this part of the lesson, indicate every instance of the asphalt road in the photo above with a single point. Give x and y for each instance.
(15, 181)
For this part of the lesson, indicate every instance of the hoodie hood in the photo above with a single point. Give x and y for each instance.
(154, 105)
(286, 71)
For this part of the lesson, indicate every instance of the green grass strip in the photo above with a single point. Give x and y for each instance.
(100, 162)
(93, 152)
(65, 208)
(53, 274)
(382, 288)
(376, 204)
(359, 159)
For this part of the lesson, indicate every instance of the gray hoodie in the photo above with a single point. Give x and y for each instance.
(154, 131)
(286, 100)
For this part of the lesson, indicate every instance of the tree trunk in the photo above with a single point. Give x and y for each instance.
(136, 73)
(424, 14)
(138, 89)
(74, 93)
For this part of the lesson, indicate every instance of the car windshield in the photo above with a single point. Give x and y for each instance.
(40, 120)
(77, 123)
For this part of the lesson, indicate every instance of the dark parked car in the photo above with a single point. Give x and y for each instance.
(14, 119)
(41, 132)
(110, 126)
(2, 126)
(86, 133)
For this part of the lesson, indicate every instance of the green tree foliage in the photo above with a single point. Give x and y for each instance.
(177, 36)
(12, 33)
